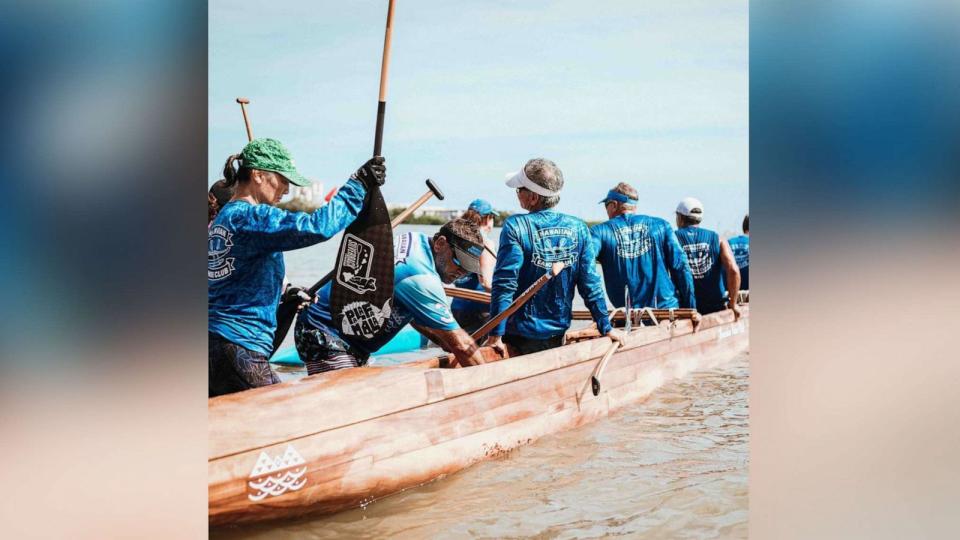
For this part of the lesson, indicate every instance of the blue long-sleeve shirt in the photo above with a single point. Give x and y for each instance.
(529, 245)
(245, 266)
(740, 245)
(702, 247)
(642, 253)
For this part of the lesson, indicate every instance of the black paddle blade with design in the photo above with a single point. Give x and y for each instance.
(362, 291)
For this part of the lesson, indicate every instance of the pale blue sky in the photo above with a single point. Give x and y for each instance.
(649, 92)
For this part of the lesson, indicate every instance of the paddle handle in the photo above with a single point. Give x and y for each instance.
(433, 190)
(519, 302)
(246, 120)
(384, 70)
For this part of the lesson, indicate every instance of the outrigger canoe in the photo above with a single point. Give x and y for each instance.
(339, 440)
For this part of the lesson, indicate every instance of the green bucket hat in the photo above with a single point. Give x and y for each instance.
(270, 155)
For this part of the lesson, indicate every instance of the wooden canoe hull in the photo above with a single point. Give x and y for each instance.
(351, 437)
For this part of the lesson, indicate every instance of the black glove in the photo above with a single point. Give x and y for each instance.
(372, 173)
(298, 295)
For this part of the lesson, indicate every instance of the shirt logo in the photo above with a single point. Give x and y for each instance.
(356, 261)
(272, 477)
(698, 255)
(555, 244)
(632, 241)
(219, 242)
(742, 255)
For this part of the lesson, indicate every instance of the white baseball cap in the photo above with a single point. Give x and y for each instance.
(690, 207)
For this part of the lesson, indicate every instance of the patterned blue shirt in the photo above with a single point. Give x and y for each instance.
(245, 265)
(642, 253)
(741, 252)
(703, 255)
(529, 245)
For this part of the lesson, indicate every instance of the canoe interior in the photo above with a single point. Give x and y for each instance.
(338, 440)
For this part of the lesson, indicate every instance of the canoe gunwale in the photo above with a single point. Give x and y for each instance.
(247, 421)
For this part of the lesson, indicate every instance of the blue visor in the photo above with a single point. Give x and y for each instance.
(482, 207)
(619, 197)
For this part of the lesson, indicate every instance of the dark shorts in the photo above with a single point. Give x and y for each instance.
(321, 350)
(234, 368)
(525, 345)
(471, 320)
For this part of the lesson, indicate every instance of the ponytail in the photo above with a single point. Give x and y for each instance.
(234, 175)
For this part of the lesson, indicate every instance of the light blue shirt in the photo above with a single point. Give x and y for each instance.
(418, 295)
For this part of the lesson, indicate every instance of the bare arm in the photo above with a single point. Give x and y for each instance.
(732, 276)
(487, 263)
(455, 341)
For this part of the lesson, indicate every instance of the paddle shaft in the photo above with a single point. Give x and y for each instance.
(246, 121)
(518, 302)
(384, 70)
(286, 313)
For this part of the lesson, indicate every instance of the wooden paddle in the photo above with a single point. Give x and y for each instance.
(361, 291)
(511, 309)
(518, 302)
(246, 121)
(288, 308)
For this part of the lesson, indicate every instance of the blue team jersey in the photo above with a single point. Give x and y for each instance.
(417, 295)
(245, 265)
(642, 253)
(741, 252)
(529, 245)
(702, 247)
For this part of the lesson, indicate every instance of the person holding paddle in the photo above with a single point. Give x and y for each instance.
(469, 314)
(422, 265)
(641, 253)
(245, 265)
(529, 245)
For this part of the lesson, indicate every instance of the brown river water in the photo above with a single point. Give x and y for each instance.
(673, 466)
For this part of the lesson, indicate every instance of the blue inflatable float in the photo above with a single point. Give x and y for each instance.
(407, 340)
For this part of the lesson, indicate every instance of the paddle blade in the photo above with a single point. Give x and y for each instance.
(362, 291)
(595, 385)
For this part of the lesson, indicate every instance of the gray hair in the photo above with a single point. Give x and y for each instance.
(545, 173)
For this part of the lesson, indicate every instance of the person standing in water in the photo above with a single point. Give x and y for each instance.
(245, 245)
